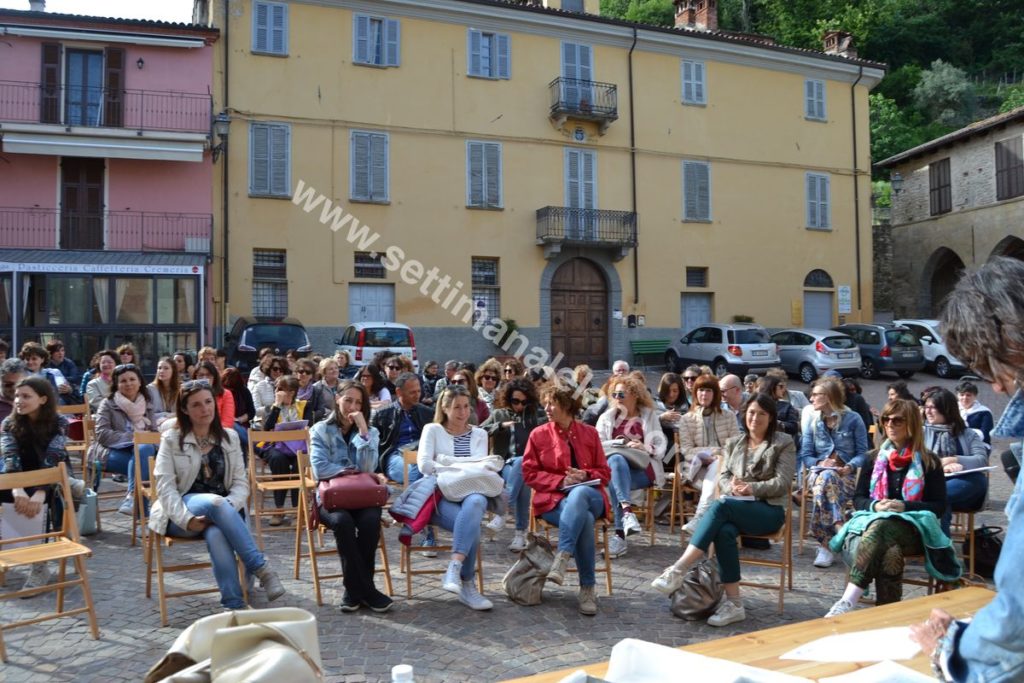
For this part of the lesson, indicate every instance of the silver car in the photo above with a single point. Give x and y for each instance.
(808, 353)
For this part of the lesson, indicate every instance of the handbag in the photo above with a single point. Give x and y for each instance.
(638, 459)
(700, 593)
(524, 581)
(263, 645)
(352, 490)
(86, 513)
(987, 547)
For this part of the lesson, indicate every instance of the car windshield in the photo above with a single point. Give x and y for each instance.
(901, 338)
(753, 336)
(387, 336)
(279, 336)
(839, 342)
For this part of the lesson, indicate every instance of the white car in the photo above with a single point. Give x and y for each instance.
(739, 348)
(936, 355)
(364, 340)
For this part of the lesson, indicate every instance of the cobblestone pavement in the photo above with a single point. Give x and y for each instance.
(444, 640)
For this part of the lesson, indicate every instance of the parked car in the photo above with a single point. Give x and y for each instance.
(885, 347)
(738, 348)
(364, 340)
(808, 353)
(248, 336)
(936, 355)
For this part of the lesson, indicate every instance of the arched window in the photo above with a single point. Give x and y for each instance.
(818, 278)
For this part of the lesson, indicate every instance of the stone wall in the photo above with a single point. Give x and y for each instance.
(881, 238)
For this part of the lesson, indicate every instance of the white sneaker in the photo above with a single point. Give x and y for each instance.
(127, 506)
(630, 524)
(496, 524)
(824, 558)
(471, 598)
(518, 543)
(452, 580)
(428, 540)
(728, 612)
(39, 575)
(616, 546)
(840, 607)
(670, 581)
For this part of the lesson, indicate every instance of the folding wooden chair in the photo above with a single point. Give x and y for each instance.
(59, 546)
(81, 447)
(601, 527)
(155, 544)
(307, 494)
(785, 564)
(262, 484)
(142, 492)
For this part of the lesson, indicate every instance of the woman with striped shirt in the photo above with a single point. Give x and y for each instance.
(451, 434)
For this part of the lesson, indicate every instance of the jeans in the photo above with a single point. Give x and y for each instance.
(725, 520)
(394, 470)
(243, 439)
(356, 533)
(282, 462)
(226, 536)
(575, 516)
(122, 461)
(463, 520)
(964, 493)
(518, 492)
(624, 480)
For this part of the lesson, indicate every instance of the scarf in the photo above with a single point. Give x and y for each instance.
(135, 410)
(890, 459)
(288, 413)
(305, 392)
(939, 440)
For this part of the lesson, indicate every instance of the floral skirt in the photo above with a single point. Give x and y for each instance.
(830, 491)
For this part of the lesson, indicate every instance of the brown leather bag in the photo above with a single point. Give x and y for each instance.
(700, 593)
(352, 490)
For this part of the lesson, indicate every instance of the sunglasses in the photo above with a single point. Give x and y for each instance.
(493, 378)
(509, 371)
(894, 420)
(394, 367)
(458, 381)
(517, 402)
(303, 372)
(689, 378)
(276, 368)
(125, 366)
(618, 394)
(195, 384)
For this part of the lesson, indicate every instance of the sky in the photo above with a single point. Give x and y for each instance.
(163, 10)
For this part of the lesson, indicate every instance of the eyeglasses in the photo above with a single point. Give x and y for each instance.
(894, 420)
(618, 394)
(394, 367)
(125, 366)
(493, 378)
(517, 402)
(458, 381)
(689, 378)
(303, 372)
(195, 384)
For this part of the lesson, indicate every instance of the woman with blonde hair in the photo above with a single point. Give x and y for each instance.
(163, 390)
(583, 375)
(487, 378)
(464, 378)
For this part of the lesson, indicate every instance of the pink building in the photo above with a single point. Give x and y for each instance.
(105, 182)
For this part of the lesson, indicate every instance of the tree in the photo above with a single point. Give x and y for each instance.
(1014, 99)
(656, 12)
(891, 132)
(945, 95)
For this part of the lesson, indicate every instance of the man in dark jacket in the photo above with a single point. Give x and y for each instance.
(400, 425)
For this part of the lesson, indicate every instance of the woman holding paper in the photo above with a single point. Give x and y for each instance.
(280, 458)
(565, 465)
(832, 449)
(755, 479)
(702, 433)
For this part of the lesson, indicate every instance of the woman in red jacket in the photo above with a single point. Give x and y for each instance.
(564, 464)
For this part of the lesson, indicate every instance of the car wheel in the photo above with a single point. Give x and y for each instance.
(942, 367)
(672, 361)
(720, 368)
(905, 374)
(868, 369)
(807, 373)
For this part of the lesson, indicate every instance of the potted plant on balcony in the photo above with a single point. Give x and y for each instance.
(510, 329)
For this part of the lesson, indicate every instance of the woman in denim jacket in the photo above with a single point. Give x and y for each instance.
(983, 324)
(832, 449)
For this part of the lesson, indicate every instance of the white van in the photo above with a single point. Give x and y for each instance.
(364, 340)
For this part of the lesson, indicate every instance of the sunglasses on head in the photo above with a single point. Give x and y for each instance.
(894, 420)
(125, 366)
(195, 384)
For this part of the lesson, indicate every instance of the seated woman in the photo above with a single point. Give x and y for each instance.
(206, 371)
(631, 421)
(974, 413)
(326, 388)
(789, 417)
(163, 390)
(231, 380)
(487, 377)
(371, 378)
(906, 489)
(202, 488)
(561, 454)
(341, 442)
(761, 464)
(671, 402)
(583, 375)
(345, 368)
(464, 377)
(98, 388)
(264, 391)
(833, 447)
(516, 414)
(960, 449)
(702, 433)
(127, 410)
(451, 434)
(319, 404)
(279, 456)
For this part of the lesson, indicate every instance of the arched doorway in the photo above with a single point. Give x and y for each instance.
(938, 279)
(818, 299)
(1010, 246)
(579, 314)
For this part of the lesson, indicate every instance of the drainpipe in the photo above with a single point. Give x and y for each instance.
(856, 182)
(225, 289)
(632, 175)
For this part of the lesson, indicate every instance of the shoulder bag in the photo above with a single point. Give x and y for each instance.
(352, 490)
(700, 593)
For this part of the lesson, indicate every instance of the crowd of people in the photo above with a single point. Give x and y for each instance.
(500, 442)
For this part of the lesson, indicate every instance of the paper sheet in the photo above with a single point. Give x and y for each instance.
(861, 646)
(13, 525)
(588, 482)
(883, 672)
(976, 469)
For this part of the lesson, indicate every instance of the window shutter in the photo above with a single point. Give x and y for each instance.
(278, 30)
(696, 191)
(474, 53)
(504, 56)
(391, 42)
(280, 159)
(50, 95)
(261, 27)
(379, 168)
(688, 81)
(589, 185)
(492, 173)
(475, 170)
(809, 98)
(812, 201)
(572, 178)
(113, 84)
(823, 202)
(360, 166)
(570, 74)
(585, 65)
(820, 99)
(698, 82)
(259, 159)
(362, 39)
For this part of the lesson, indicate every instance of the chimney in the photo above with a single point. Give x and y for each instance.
(37, 5)
(686, 13)
(707, 15)
(839, 43)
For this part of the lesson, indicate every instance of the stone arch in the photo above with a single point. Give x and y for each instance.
(938, 278)
(818, 278)
(1011, 246)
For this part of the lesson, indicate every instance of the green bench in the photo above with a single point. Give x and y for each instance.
(647, 347)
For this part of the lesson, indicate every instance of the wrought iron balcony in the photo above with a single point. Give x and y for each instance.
(584, 100)
(70, 105)
(562, 225)
(31, 228)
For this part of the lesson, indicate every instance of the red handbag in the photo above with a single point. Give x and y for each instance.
(352, 490)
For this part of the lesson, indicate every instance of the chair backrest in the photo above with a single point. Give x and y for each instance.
(46, 476)
(409, 459)
(265, 437)
(80, 409)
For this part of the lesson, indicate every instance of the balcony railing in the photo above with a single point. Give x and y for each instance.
(596, 227)
(587, 100)
(30, 228)
(70, 105)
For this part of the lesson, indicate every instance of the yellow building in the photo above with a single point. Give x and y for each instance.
(436, 162)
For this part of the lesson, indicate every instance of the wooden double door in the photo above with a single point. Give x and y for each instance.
(579, 314)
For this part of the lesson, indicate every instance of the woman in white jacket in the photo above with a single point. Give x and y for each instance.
(631, 422)
(451, 434)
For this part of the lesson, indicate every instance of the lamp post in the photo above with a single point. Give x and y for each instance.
(896, 180)
(221, 126)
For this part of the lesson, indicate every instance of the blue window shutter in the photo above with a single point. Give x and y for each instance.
(361, 39)
(698, 83)
(475, 173)
(696, 191)
(687, 81)
(586, 63)
(360, 166)
(260, 27)
(589, 180)
(824, 219)
(572, 178)
(812, 200)
(492, 173)
(504, 56)
(809, 98)
(259, 159)
(392, 42)
(473, 50)
(379, 167)
(280, 160)
(278, 43)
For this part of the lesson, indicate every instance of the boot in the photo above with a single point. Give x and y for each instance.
(587, 601)
(269, 582)
(557, 572)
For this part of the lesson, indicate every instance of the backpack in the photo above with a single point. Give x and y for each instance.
(524, 581)
(700, 593)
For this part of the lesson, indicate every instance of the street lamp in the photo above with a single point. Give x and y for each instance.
(896, 180)
(221, 126)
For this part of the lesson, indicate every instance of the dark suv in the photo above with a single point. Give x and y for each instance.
(885, 347)
(249, 335)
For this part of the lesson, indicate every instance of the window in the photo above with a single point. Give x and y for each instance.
(270, 28)
(696, 191)
(818, 278)
(694, 88)
(176, 301)
(818, 201)
(270, 159)
(369, 166)
(133, 301)
(486, 292)
(1009, 168)
(572, 5)
(814, 99)
(269, 283)
(488, 54)
(696, 277)
(368, 266)
(940, 187)
(376, 41)
(483, 175)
